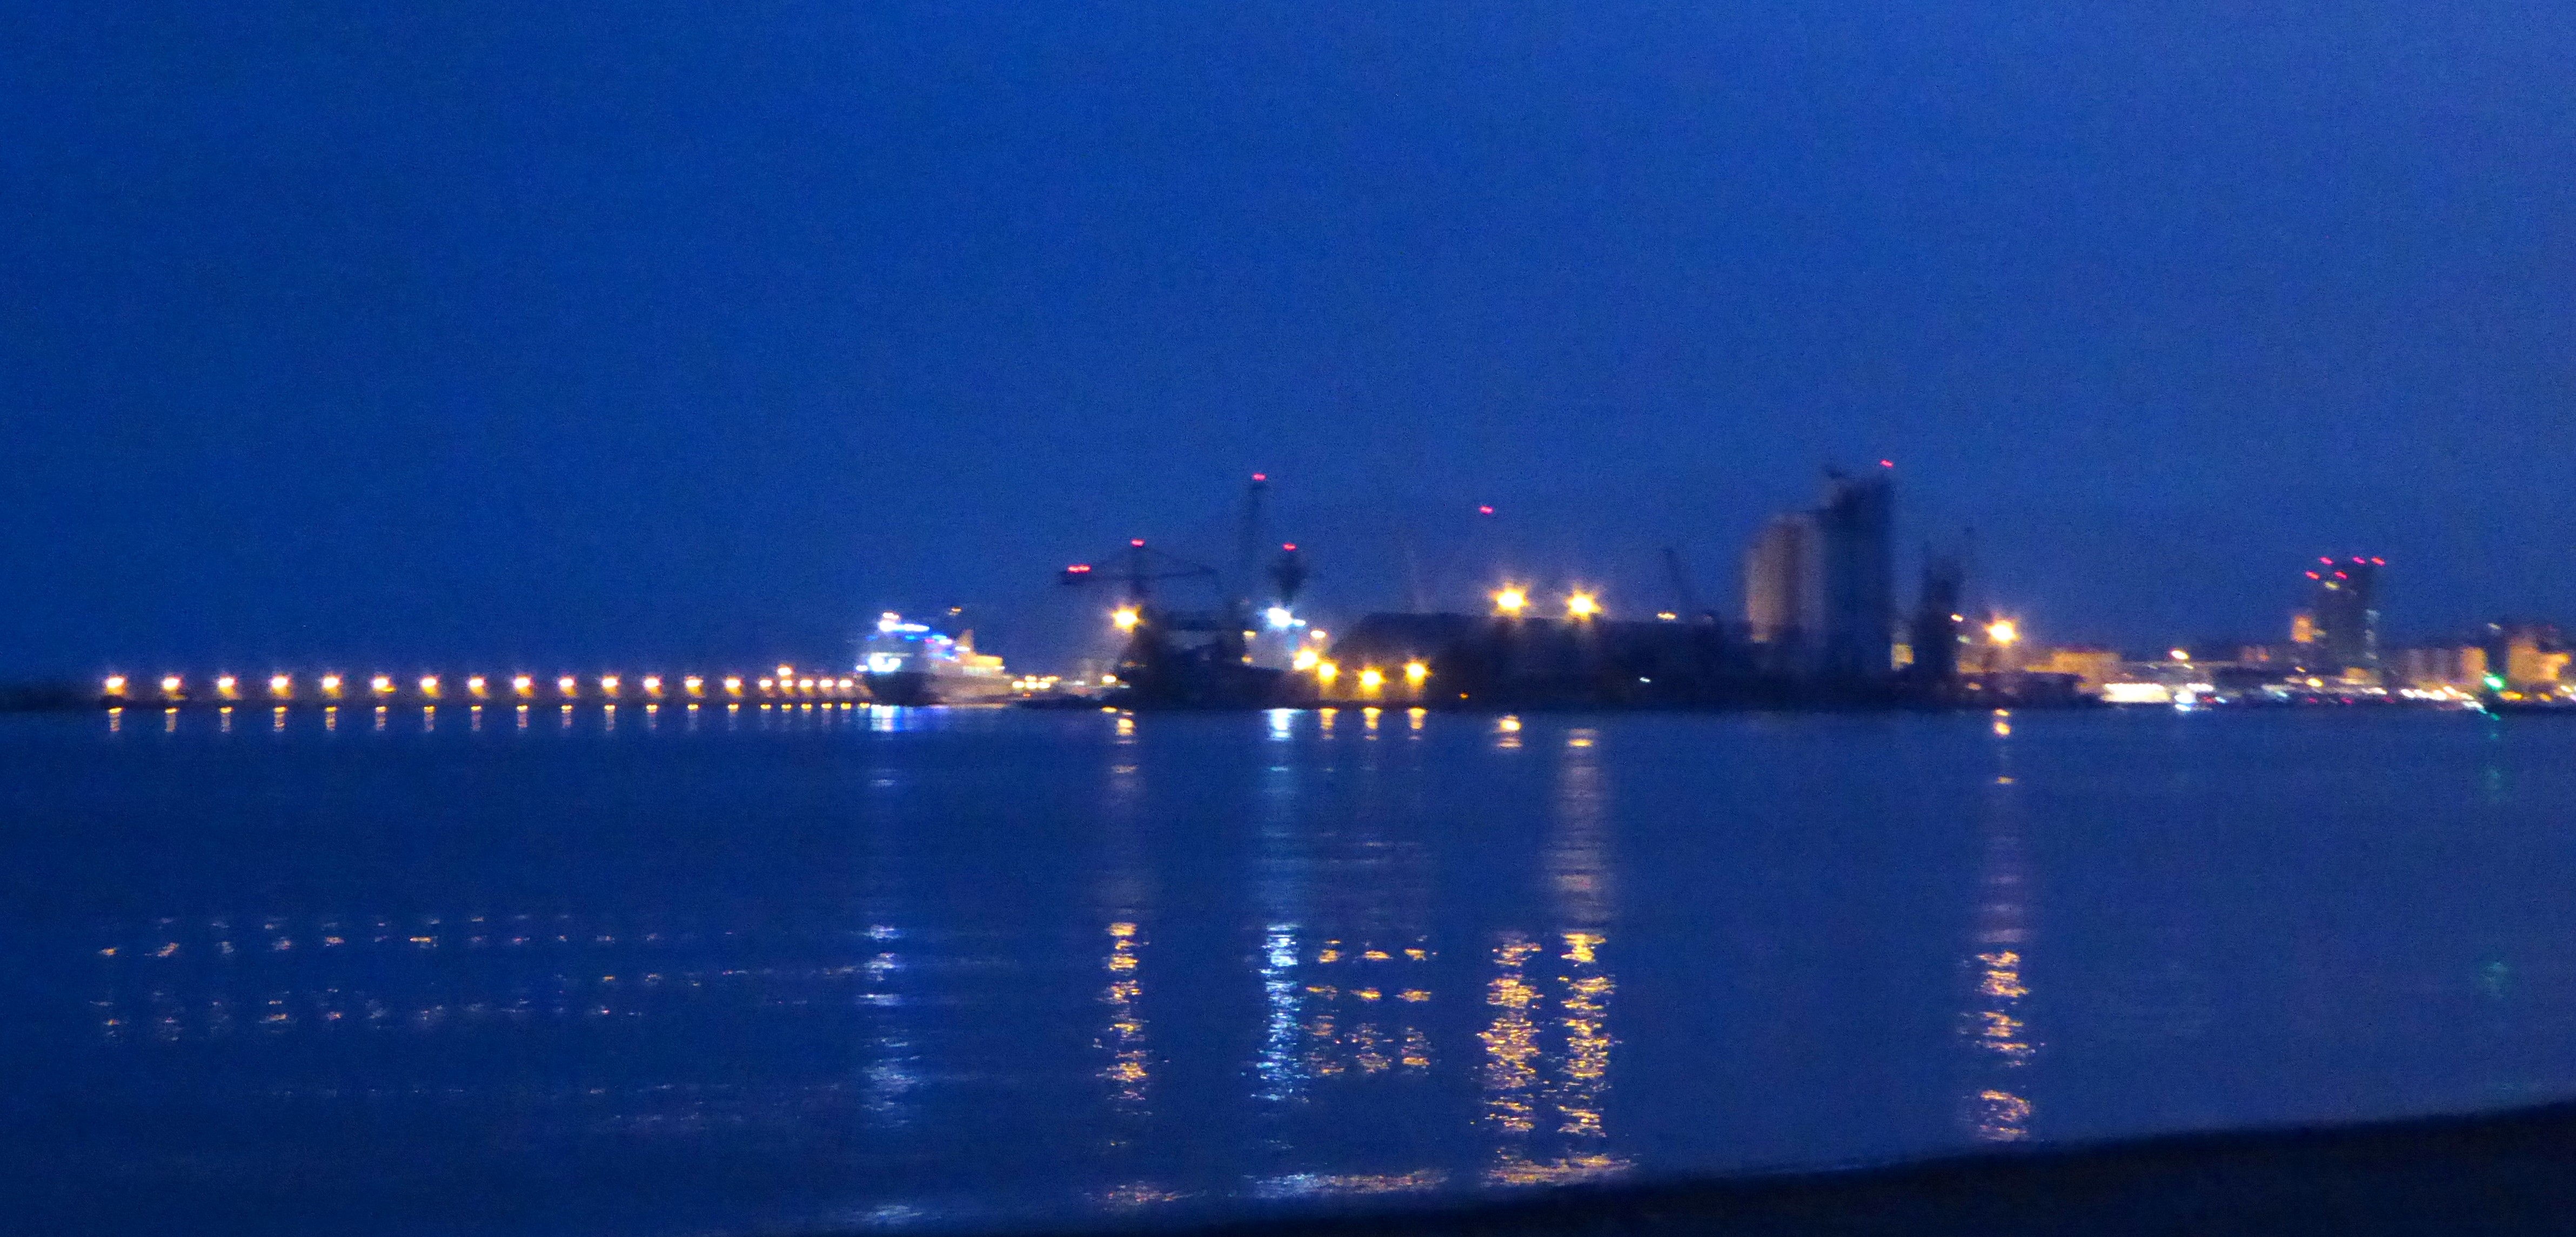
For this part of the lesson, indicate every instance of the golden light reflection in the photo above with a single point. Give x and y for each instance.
(1130, 1066)
(1995, 1108)
(1375, 1035)
(1511, 1041)
(1549, 1126)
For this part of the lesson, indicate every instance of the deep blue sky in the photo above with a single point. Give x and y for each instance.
(553, 333)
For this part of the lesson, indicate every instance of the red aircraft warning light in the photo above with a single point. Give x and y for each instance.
(1135, 541)
(1079, 568)
(1484, 508)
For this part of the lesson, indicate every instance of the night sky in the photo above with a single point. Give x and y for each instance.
(565, 334)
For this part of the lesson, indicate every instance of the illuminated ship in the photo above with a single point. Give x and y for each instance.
(909, 663)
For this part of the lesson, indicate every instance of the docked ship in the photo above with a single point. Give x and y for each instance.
(914, 663)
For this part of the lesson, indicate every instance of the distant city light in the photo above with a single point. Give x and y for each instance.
(227, 685)
(1372, 679)
(1582, 605)
(1415, 672)
(567, 685)
(608, 684)
(523, 684)
(2179, 654)
(1126, 618)
(429, 685)
(280, 685)
(653, 684)
(886, 622)
(2003, 631)
(1510, 600)
(733, 684)
(331, 685)
(478, 685)
(1304, 660)
(115, 685)
(694, 685)
(1279, 618)
(382, 685)
(1326, 672)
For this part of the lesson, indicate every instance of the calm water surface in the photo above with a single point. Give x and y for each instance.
(991, 969)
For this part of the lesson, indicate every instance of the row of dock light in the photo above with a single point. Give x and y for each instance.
(787, 683)
(1512, 601)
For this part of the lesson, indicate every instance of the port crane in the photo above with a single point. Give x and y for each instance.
(1185, 657)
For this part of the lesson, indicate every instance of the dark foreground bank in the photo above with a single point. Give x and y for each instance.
(2509, 1173)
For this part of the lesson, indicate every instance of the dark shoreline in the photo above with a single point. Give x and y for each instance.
(2511, 1172)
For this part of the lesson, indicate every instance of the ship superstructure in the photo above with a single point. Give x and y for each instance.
(909, 663)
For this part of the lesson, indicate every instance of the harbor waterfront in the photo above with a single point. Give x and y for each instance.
(655, 970)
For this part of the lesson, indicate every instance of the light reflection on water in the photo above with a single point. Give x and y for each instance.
(967, 967)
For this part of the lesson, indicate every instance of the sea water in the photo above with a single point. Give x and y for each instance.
(744, 970)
